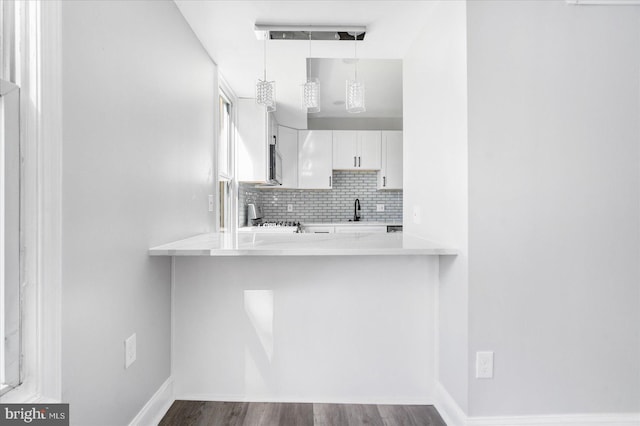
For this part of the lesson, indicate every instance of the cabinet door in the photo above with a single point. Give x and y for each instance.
(272, 131)
(318, 229)
(288, 147)
(359, 229)
(369, 150)
(391, 172)
(251, 143)
(315, 159)
(345, 155)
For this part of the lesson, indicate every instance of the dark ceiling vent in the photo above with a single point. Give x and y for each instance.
(317, 32)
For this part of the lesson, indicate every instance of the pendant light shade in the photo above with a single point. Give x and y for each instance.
(311, 91)
(354, 98)
(311, 95)
(266, 94)
(266, 90)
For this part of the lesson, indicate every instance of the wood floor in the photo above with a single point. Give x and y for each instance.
(201, 413)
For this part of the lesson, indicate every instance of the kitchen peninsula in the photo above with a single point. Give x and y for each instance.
(342, 317)
(339, 244)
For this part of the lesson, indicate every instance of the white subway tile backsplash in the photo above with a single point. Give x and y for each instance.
(334, 205)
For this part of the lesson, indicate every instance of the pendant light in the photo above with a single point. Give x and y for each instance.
(266, 90)
(311, 90)
(355, 89)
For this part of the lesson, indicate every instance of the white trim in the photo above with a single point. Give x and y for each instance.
(453, 415)
(156, 407)
(298, 399)
(436, 324)
(224, 89)
(604, 2)
(49, 188)
(448, 408)
(173, 314)
(41, 148)
(597, 419)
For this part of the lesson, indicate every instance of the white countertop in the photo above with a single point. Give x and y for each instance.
(251, 244)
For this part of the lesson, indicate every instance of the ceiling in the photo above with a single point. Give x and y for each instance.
(383, 86)
(226, 30)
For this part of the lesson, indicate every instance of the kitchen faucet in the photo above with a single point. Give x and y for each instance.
(356, 210)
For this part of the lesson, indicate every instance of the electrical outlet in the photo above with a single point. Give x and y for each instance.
(289, 207)
(130, 350)
(484, 365)
(379, 207)
(416, 215)
(210, 203)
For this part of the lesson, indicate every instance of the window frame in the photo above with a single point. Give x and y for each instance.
(10, 229)
(226, 93)
(38, 74)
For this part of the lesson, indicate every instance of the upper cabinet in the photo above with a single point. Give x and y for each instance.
(390, 176)
(288, 148)
(315, 155)
(345, 147)
(256, 130)
(356, 150)
(369, 149)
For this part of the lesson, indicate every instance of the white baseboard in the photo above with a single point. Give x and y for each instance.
(448, 408)
(156, 407)
(453, 415)
(597, 419)
(298, 399)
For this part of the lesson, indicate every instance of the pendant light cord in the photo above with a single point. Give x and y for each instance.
(355, 54)
(266, 34)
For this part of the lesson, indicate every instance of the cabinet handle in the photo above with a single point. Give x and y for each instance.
(384, 181)
(354, 161)
(359, 158)
(329, 181)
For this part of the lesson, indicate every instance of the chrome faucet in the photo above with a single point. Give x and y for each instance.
(356, 210)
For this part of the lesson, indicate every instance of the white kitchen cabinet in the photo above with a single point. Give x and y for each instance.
(390, 176)
(256, 129)
(318, 229)
(288, 148)
(357, 229)
(345, 147)
(369, 150)
(315, 159)
(356, 150)
(272, 128)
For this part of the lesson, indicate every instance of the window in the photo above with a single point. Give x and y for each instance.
(224, 145)
(9, 235)
(10, 331)
(225, 164)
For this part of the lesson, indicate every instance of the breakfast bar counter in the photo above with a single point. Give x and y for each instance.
(277, 244)
(275, 316)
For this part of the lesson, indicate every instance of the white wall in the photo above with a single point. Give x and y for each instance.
(435, 172)
(314, 329)
(138, 108)
(554, 125)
